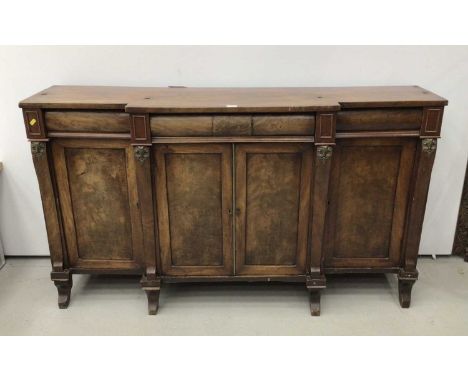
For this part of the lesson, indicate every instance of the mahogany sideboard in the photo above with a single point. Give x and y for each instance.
(233, 184)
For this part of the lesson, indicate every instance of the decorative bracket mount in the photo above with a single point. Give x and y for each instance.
(142, 153)
(429, 145)
(324, 152)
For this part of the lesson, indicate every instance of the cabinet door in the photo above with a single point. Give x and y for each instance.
(194, 201)
(98, 198)
(369, 189)
(272, 208)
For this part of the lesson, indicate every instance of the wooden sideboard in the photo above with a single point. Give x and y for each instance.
(233, 184)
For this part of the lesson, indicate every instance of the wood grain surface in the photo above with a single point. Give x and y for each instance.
(229, 100)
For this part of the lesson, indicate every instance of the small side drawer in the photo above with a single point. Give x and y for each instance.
(283, 125)
(379, 119)
(87, 122)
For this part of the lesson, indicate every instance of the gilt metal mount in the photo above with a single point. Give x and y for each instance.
(38, 149)
(429, 145)
(142, 153)
(324, 152)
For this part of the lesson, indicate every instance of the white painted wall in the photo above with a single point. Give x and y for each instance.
(26, 70)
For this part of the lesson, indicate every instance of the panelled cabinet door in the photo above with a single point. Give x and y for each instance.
(272, 208)
(98, 197)
(194, 202)
(369, 190)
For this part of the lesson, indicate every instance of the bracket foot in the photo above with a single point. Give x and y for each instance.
(64, 282)
(406, 281)
(152, 289)
(314, 285)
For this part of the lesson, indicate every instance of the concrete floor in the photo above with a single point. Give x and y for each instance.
(351, 305)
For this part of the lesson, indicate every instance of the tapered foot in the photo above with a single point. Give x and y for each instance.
(315, 303)
(406, 281)
(152, 288)
(153, 301)
(314, 285)
(64, 282)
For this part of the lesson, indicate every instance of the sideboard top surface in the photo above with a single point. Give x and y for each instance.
(230, 100)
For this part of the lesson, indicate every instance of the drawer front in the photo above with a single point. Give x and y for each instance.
(379, 120)
(87, 122)
(233, 125)
(369, 187)
(284, 125)
(98, 197)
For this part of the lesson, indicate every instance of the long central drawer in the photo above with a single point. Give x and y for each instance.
(232, 125)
